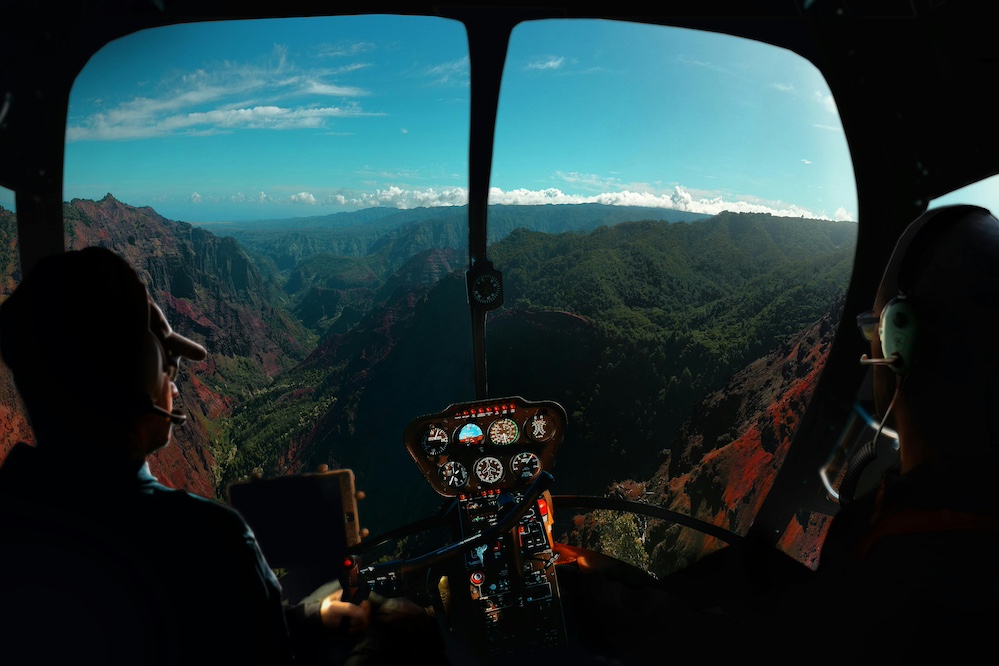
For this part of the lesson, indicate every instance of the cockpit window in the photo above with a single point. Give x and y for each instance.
(673, 213)
(16, 427)
(292, 191)
(8, 241)
(274, 119)
(983, 193)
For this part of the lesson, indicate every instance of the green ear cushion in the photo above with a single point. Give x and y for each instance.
(898, 334)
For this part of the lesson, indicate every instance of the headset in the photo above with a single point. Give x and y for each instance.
(898, 327)
(152, 364)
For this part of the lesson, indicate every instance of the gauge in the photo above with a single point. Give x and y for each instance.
(539, 427)
(489, 469)
(454, 474)
(503, 431)
(525, 465)
(486, 288)
(470, 434)
(435, 441)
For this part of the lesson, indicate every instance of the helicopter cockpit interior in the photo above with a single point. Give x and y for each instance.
(498, 286)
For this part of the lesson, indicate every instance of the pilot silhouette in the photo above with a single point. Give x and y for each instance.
(102, 563)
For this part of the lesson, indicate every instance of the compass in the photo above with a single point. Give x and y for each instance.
(485, 286)
(485, 289)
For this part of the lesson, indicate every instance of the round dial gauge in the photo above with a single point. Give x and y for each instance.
(453, 474)
(470, 434)
(503, 431)
(525, 465)
(539, 427)
(486, 288)
(435, 441)
(489, 469)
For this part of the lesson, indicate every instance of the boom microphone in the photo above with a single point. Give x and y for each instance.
(895, 358)
(176, 416)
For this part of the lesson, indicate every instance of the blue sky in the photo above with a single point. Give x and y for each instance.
(301, 117)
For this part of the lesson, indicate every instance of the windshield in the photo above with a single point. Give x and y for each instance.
(671, 212)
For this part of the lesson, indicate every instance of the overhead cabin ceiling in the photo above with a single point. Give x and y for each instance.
(911, 78)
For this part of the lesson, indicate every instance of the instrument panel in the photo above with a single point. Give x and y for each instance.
(495, 444)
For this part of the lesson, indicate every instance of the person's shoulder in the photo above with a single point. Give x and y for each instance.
(199, 514)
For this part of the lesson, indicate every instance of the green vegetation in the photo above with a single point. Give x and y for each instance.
(620, 535)
(675, 311)
(671, 310)
(261, 433)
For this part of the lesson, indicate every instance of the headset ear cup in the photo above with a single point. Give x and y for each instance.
(150, 380)
(898, 334)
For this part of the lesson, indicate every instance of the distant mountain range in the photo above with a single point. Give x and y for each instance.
(395, 235)
(325, 341)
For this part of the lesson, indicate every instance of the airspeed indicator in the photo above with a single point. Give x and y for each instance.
(503, 431)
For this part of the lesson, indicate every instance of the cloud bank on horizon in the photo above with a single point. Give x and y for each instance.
(301, 117)
(680, 199)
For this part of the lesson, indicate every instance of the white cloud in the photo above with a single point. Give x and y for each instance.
(353, 67)
(691, 61)
(303, 198)
(827, 101)
(547, 62)
(104, 127)
(345, 49)
(455, 72)
(317, 88)
(677, 199)
(223, 97)
(804, 161)
(843, 214)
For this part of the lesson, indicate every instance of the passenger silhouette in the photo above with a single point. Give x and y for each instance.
(911, 565)
(101, 563)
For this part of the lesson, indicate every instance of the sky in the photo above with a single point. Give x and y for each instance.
(273, 119)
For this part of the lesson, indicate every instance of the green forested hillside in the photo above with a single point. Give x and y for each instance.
(326, 264)
(675, 311)
(734, 283)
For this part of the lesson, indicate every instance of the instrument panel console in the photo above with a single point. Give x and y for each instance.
(502, 595)
(484, 445)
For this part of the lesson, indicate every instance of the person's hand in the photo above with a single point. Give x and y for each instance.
(337, 614)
